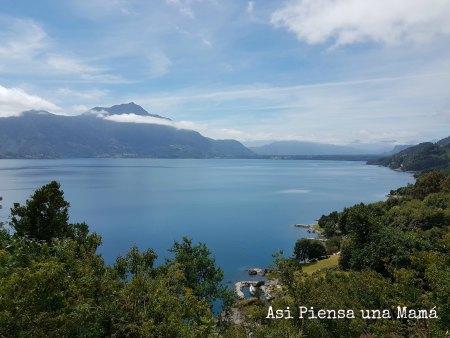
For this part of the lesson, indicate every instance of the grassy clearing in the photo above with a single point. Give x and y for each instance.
(329, 262)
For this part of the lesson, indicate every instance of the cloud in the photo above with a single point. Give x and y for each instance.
(159, 64)
(184, 6)
(20, 38)
(269, 92)
(69, 65)
(205, 129)
(15, 100)
(86, 95)
(354, 21)
(335, 112)
(79, 108)
(26, 49)
(82, 71)
(250, 7)
(101, 9)
(133, 118)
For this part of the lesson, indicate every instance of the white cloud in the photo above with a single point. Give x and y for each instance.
(20, 38)
(184, 6)
(79, 70)
(386, 108)
(355, 21)
(79, 108)
(15, 100)
(86, 95)
(133, 118)
(159, 64)
(69, 65)
(101, 9)
(250, 7)
(26, 49)
(205, 129)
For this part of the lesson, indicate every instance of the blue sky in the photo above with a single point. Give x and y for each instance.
(339, 71)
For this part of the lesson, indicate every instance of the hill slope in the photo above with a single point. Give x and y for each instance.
(39, 134)
(421, 157)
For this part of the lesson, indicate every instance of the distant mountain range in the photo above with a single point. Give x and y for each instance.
(100, 132)
(304, 148)
(40, 134)
(422, 157)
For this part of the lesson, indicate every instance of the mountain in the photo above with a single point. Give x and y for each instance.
(421, 157)
(444, 142)
(397, 149)
(304, 148)
(125, 108)
(40, 134)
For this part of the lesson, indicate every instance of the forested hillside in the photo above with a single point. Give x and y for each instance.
(392, 254)
(424, 156)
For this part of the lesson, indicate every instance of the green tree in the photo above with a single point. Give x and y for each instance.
(308, 249)
(45, 216)
(361, 222)
(202, 274)
(428, 183)
(329, 224)
(53, 282)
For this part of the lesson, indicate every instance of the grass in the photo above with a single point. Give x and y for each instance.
(329, 262)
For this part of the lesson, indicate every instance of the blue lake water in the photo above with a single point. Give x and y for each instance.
(244, 210)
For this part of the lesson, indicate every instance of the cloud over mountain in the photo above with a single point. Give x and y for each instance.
(15, 100)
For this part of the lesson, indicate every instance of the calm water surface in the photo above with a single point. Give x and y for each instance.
(244, 210)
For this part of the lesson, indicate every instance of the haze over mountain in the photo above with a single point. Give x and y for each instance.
(40, 134)
(314, 148)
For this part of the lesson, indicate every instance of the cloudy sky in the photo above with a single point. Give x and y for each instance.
(336, 71)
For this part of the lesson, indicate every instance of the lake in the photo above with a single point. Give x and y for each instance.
(244, 210)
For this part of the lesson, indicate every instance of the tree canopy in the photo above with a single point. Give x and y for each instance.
(53, 281)
(308, 249)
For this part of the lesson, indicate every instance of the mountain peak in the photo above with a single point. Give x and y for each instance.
(126, 108)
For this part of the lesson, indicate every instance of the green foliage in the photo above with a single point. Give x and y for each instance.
(136, 262)
(309, 249)
(329, 223)
(333, 244)
(201, 273)
(428, 183)
(360, 221)
(422, 157)
(350, 290)
(53, 282)
(45, 216)
(392, 253)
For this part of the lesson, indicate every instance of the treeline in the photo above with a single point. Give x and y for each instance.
(54, 283)
(392, 253)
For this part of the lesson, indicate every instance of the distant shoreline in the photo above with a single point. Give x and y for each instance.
(259, 157)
